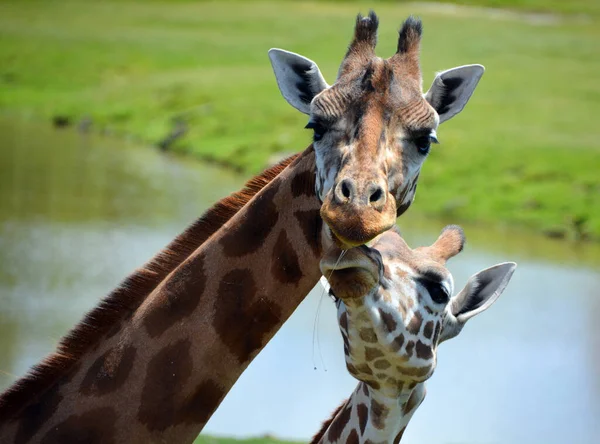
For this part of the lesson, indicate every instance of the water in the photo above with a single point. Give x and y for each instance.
(78, 213)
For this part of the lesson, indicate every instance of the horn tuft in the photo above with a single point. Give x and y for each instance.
(410, 35)
(366, 28)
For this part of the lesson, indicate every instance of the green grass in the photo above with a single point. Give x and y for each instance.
(526, 150)
(202, 439)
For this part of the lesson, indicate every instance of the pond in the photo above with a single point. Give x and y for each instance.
(79, 212)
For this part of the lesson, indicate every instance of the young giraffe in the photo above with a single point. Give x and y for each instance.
(155, 359)
(394, 308)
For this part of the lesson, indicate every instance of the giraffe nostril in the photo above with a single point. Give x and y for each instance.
(377, 194)
(345, 190)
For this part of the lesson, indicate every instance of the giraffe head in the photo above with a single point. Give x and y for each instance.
(395, 304)
(373, 127)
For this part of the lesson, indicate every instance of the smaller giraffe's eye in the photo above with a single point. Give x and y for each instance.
(438, 292)
(318, 128)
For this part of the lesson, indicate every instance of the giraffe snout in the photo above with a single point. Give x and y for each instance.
(349, 191)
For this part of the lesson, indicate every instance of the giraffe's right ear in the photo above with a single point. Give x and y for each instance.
(299, 79)
(452, 89)
(481, 291)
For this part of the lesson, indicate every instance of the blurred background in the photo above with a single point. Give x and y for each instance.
(122, 122)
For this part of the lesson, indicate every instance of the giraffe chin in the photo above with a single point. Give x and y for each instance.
(354, 225)
(352, 273)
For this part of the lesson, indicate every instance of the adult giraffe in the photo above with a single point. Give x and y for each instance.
(153, 361)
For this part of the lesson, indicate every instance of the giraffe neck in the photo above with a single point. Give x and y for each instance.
(372, 415)
(161, 375)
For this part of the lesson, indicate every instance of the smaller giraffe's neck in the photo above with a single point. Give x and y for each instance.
(372, 415)
(379, 410)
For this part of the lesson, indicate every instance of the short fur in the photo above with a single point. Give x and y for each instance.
(122, 302)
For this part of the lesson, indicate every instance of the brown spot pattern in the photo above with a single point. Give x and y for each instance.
(109, 372)
(93, 427)
(339, 423)
(428, 330)
(372, 353)
(399, 437)
(438, 329)
(375, 385)
(397, 342)
(363, 415)
(365, 389)
(368, 335)
(344, 321)
(177, 298)
(351, 369)
(352, 437)
(419, 372)
(423, 351)
(311, 224)
(381, 364)
(35, 415)
(166, 374)
(410, 345)
(379, 413)
(247, 237)
(285, 267)
(388, 320)
(303, 184)
(364, 369)
(243, 318)
(198, 408)
(414, 326)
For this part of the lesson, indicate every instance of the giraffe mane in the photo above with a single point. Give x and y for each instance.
(319, 435)
(106, 318)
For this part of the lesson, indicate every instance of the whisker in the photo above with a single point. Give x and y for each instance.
(315, 335)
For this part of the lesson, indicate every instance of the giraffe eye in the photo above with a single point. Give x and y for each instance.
(437, 291)
(318, 128)
(423, 144)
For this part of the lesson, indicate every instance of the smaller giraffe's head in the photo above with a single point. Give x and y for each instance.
(373, 127)
(396, 304)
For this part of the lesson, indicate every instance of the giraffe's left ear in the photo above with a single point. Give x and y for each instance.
(481, 291)
(299, 79)
(452, 89)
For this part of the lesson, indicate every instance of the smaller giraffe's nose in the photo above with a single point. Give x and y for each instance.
(348, 191)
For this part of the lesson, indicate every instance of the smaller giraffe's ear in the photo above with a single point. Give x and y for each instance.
(299, 79)
(481, 291)
(452, 89)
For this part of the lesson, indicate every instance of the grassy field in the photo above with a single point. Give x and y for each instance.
(525, 152)
(202, 439)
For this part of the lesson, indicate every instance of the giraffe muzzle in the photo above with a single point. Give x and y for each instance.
(356, 222)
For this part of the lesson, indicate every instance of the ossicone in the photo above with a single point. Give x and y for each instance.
(409, 36)
(366, 29)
